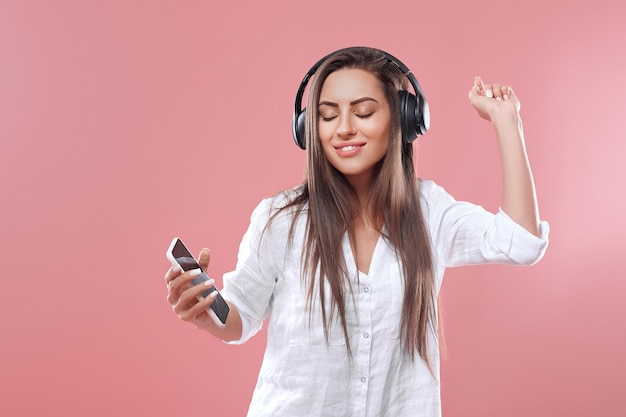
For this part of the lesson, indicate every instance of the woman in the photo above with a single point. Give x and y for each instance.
(347, 266)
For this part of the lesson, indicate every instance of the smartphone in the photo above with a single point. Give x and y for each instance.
(178, 254)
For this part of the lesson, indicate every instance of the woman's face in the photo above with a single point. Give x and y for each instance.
(354, 122)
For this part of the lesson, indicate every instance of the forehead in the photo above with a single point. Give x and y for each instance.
(348, 84)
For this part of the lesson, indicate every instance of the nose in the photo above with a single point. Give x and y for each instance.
(346, 127)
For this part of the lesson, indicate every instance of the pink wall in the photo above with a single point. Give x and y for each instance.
(124, 123)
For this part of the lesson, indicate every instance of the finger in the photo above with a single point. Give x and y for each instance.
(192, 303)
(497, 91)
(502, 92)
(172, 273)
(506, 92)
(488, 91)
(198, 308)
(479, 86)
(204, 258)
(186, 300)
(186, 279)
(172, 298)
(177, 285)
(191, 295)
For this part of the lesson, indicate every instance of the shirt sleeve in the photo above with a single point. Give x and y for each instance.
(466, 234)
(251, 285)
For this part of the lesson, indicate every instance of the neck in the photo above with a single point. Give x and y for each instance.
(361, 185)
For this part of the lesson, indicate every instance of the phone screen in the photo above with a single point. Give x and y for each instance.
(187, 262)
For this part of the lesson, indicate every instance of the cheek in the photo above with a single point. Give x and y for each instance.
(325, 132)
(378, 126)
(378, 132)
(325, 135)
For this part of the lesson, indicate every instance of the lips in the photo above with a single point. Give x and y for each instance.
(349, 148)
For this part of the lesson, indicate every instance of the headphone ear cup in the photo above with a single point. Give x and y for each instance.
(414, 116)
(409, 116)
(424, 121)
(299, 129)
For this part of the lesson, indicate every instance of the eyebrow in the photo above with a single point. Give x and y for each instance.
(352, 103)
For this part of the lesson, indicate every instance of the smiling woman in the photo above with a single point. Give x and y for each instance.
(125, 123)
(354, 124)
(346, 267)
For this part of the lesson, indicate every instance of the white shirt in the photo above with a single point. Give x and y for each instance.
(302, 374)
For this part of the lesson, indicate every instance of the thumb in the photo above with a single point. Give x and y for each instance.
(204, 258)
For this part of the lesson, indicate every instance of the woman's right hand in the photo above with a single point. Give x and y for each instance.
(183, 295)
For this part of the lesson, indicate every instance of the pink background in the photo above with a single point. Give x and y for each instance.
(125, 123)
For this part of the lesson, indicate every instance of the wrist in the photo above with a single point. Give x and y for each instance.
(503, 116)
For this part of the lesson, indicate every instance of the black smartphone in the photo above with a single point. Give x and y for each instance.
(178, 254)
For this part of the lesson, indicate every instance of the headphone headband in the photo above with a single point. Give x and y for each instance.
(415, 115)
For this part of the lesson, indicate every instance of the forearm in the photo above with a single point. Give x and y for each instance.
(232, 330)
(519, 200)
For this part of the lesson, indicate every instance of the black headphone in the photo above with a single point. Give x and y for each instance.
(414, 112)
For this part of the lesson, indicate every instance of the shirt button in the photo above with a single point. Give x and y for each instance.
(366, 335)
(363, 379)
(366, 289)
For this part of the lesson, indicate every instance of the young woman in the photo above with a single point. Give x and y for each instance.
(346, 267)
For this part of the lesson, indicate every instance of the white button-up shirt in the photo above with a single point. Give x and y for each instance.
(303, 374)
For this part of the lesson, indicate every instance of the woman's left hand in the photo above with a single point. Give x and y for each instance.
(492, 99)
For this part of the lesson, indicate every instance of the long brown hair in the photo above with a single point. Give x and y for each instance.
(393, 202)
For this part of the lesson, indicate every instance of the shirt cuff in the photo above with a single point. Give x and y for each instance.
(249, 327)
(519, 244)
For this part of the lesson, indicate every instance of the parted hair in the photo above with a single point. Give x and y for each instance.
(393, 209)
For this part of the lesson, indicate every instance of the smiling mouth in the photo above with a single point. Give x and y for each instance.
(348, 150)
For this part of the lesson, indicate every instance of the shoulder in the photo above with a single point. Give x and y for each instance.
(439, 207)
(431, 193)
(425, 186)
(279, 209)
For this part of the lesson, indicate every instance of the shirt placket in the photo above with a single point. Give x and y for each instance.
(364, 347)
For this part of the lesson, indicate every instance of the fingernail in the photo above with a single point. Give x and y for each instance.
(209, 282)
(213, 295)
(176, 269)
(195, 272)
(506, 96)
(489, 93)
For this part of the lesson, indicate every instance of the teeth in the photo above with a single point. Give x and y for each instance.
(348, 148)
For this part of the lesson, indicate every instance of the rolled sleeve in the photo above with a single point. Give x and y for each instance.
(519, 245)
(250, 286)
(466, 234)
